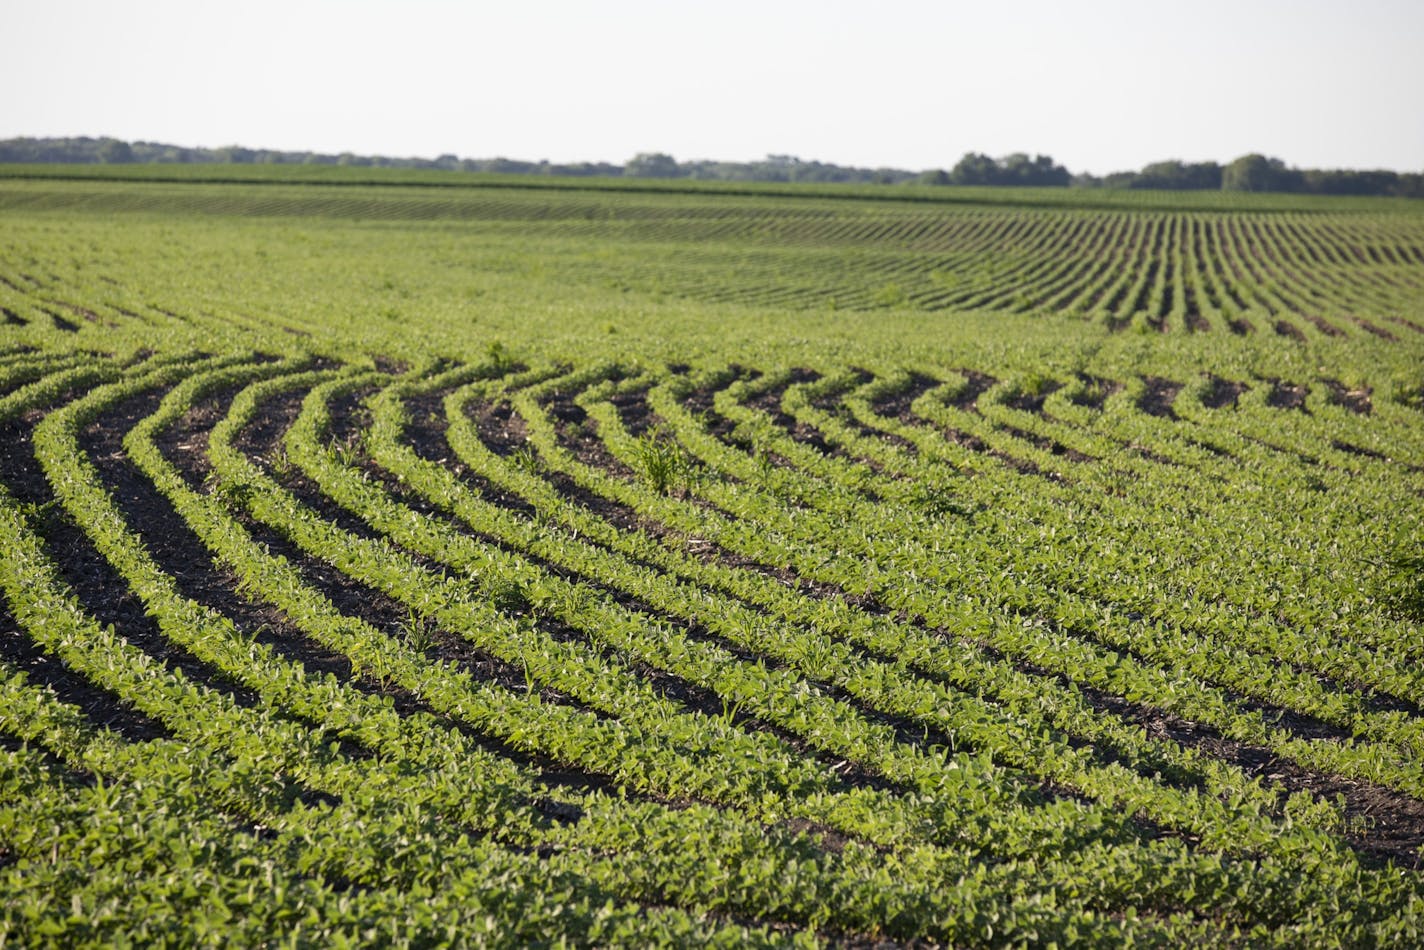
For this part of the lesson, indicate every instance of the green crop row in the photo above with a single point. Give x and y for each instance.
(454, 563)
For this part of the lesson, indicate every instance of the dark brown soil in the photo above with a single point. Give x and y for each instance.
(500, 427)
(1207, 446)
(633, 409)
(1223, 393)
(1143, 451)
(1158, 396)
(1286, 396)
(901, 443)
(1373, 328)
(186, 441)
(104, 595)
(579, 435)
(1358, 450)
(769, 402)
(181, 555)
(1033, 402)
(1096, 391)
(700, 403)
(60, 323)
(102, 708)
(613, 512)
(1372, 454)
(1356, 400)
(425, 434)
(1052, 446)
(898, 405)
(1323, 325)
(978, 384)
(1382, 824)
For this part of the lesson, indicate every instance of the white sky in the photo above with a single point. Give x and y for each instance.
(1101, 86)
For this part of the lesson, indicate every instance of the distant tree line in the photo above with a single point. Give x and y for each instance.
(777, 168)
(1247, 173)
(1259, 173)
(1015, 169)
(115, 151)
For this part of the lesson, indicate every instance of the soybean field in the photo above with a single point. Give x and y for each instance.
(442, 560)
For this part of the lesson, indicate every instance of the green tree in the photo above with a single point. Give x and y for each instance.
(1177, 176)
(975, 168)
(114, 152)
(235, 155)
(652, 165)
(1256, 172)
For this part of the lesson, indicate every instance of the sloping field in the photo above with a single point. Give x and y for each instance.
(475, 564)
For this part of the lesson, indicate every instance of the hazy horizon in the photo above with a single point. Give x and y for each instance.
(1101, 87)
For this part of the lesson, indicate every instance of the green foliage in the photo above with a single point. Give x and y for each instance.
(500, 359)
(968, 622)
(890, 295)
(526, 459)
(1409, 584)
(1018, 169)
(663, 463)
(939, 500)
(507, 595)
(418, 632)
(1259, 173)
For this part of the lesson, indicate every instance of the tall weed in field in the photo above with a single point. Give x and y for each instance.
(663, 462)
